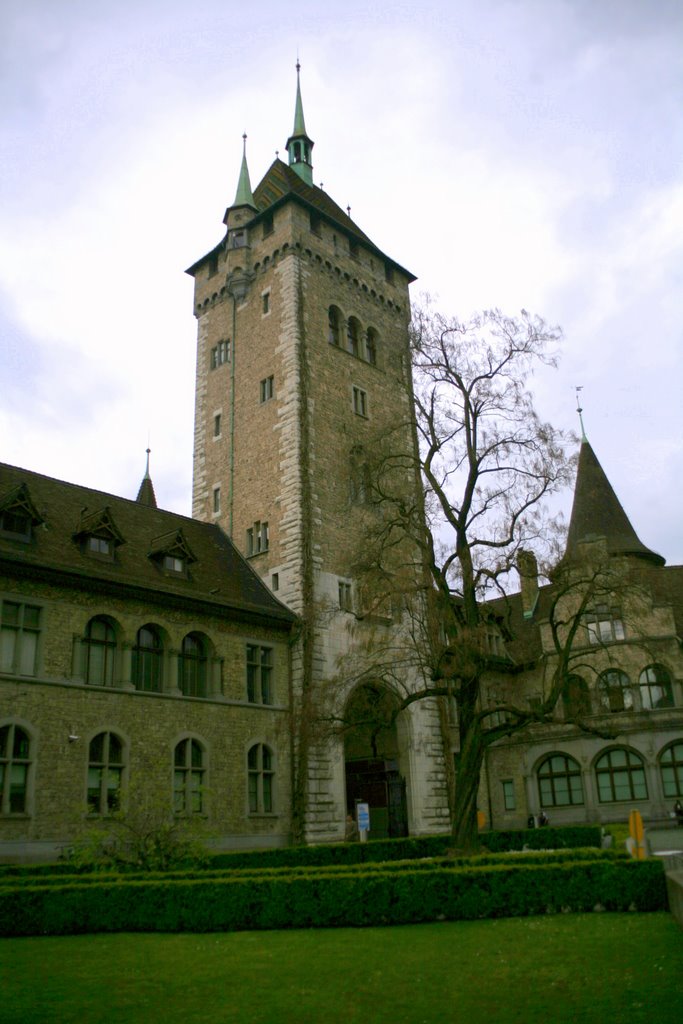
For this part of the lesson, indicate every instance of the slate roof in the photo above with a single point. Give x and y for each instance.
(280, 184)
(218, 581)
(597, 512)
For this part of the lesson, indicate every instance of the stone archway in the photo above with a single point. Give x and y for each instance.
(372, 760)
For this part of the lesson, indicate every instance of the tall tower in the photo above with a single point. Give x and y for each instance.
(302, 356)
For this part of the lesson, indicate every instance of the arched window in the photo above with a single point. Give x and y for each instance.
(371, 345)
(575, 697)
(671, 768)
(193, 666)
(656, 690)
(620, 775)
(100, 648)
(353, 336)
(188, 777)
(105, 773)
(614, 690)
(148, 654)
(15, 764)
(260, 779)
(334, 321)
(559, 781)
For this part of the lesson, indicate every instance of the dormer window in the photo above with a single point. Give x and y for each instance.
(173, 564)
(99, 546)
(18, 515)
(98, 535)
(172, 553)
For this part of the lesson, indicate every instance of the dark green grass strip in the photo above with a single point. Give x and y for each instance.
(582, 969)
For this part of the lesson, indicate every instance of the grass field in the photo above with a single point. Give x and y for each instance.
(575, 968)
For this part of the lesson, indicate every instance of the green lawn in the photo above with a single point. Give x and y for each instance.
(574, 968)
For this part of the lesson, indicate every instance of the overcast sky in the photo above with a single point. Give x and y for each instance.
(515, 154)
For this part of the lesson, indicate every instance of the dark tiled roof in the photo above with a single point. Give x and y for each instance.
(280, 183)
(597, 512)
(219, 579)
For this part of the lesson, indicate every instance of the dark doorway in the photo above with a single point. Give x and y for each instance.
(371, 754)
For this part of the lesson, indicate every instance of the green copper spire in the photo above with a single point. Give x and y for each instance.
(299, 145)
(244, 196)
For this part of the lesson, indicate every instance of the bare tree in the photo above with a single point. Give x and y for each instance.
(453, 514)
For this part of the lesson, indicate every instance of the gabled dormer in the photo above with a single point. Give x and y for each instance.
(18, 515)
(171, 553)
(98, 534)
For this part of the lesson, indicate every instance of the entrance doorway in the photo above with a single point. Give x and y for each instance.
(372, 762)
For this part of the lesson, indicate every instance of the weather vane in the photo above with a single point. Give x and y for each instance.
(579, 409)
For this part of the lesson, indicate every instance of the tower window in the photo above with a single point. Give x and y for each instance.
(267, 389)
(371, 346)
(216, 500)
(213, 265)
(221, 353)
(353, 248)
(604, 624)
(217, 425)
(268, 225)
(259, 674)
(360, 402)
(353, 336)
(389, 273)
(345, 596)
(265, 303)
(315, 224)
(334, 326)
(258, 539)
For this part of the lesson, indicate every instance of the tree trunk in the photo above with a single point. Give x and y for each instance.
(464, 828)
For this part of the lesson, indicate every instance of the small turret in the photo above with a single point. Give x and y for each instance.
(299, 145)
(146, 495)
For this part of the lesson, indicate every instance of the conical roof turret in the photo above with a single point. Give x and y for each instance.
(299, 145)
(597, 513)
(244, 196)
(146, 495)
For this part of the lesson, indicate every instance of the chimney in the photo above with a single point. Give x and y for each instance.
(527, 567)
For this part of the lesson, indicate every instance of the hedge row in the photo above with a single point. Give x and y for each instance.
(332, 899)
(426, 864)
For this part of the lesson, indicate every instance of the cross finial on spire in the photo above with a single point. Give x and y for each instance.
(578, 389)
(149, 452)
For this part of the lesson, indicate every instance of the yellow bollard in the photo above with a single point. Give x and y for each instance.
(637, 833)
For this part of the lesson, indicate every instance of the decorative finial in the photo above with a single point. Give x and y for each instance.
(149, 452)
(578, 389)
(348, 210)
(298, 66)
(277, 154)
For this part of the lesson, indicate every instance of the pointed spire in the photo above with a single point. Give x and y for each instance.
(244, 195)
(597, 513)
(146, 495)
(299, 145)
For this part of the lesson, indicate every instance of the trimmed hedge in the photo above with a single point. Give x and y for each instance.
(378, 850)
(332, 898)
(427, 864)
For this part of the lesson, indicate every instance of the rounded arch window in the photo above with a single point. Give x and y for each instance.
(656, 690)
(193, 665)
(189, 768)
(353, 333)
(334, 322)
(671, 770)
(614, 690)
(15, 766)
(559, 781)
(261, 779)
(148, 653)
(575, 697)
(620, 775)
(371, 339)
(99, 645)
(105, 773)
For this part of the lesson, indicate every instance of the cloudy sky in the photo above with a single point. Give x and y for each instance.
(511, 153)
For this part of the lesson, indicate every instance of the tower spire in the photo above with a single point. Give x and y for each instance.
(146, 495)
(299, 145)
(244, 195)
(580, 412)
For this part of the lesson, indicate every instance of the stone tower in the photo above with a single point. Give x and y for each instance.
(302, 355)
